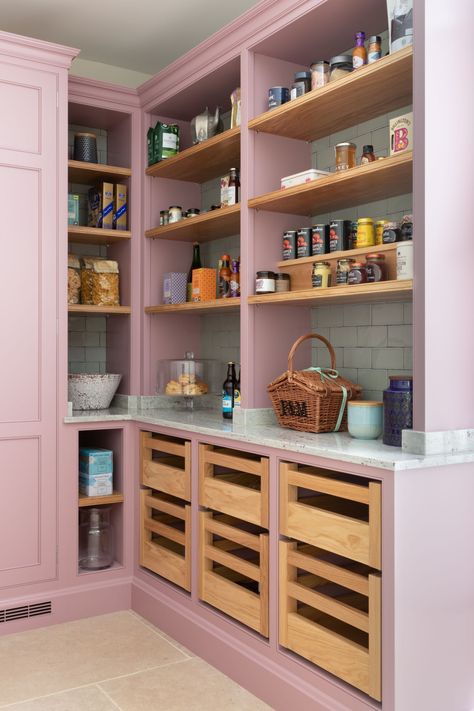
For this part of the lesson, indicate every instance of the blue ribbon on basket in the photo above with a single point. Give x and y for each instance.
(331, 374)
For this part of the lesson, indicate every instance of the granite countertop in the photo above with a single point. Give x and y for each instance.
(337, 446)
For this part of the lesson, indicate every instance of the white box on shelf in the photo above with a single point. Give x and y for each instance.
(96, 484)
(306, 176)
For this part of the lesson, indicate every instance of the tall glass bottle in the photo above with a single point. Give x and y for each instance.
(234, 185)
(228, 388)
(195, 264)
(359, 53)
(224, 277)
(237, 392)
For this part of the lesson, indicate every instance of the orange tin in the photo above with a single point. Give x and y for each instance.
(204, 284)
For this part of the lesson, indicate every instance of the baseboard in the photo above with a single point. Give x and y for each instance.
(275, 682)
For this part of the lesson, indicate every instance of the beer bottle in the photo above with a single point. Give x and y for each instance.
(228, 391)
(224, 277)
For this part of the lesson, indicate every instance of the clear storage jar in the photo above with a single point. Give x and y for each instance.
(96, 542)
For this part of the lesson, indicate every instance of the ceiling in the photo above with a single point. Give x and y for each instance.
(142, 35)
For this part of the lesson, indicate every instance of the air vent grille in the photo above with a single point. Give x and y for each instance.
(19, 613)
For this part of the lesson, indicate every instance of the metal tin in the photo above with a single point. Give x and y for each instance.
(289, 244)
(397, 409)
(303, 242)
(376, 267)
(365, 232)
(339, 235)
(278, 95)
(85, 147)
(282, 282)
(357, 274)
(319, 240)
(175, 213)
(321, 275)
(344, 266)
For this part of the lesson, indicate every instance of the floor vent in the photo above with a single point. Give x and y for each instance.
(25, 611)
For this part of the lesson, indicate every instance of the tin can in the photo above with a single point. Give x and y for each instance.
(344, 266)
(319, 239)
(289, 244)
(379, 228)
(339, 235)
(321, 275)
(278, 95)
(303, 242)
(365, 232)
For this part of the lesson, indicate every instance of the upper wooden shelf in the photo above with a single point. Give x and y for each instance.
(96, 235)
(380, 291)
(203, 228)
(364, 183)
(91, 309)
(202, 307)
(90, 173)
(203, 161)
(368, 92)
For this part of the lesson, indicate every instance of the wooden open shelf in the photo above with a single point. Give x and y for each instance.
(203, 228)
(87, 309)
(90, 173)
(201, 307)
(370, 182)
(381, 291)
(115, 498)
(96, 235)
(346, 254)
(368, 92)
(203, 161)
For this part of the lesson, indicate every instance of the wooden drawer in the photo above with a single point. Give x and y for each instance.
(332, 511)
(330, 613)
(165, 537)
(166, 464)
(233, 569)
(235, 483)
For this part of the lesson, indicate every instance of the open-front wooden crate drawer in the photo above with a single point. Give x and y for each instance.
(234, 483)
(165, 537)
(166, 464)
(333, 511)
(234, 569)
(330, 613)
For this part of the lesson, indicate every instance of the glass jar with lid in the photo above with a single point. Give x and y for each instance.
(96, 540)
(345, 155)
(376, 267)
(321, 275)
(365, 232)
(175, 213)
(320, 72)
(357, 274)
(344, 266)
(341, 66)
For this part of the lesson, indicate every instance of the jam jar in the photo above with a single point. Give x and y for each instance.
(265, 283)
(391, 233)
(365, 232)
(398, 409)
(321, 275)
(345, 155)
(376, 267)
(357, 274)
(406, 228)
(344, 266)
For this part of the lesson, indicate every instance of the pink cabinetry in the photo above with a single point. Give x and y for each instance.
(32, 85)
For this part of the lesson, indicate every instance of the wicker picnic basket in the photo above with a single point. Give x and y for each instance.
(313, 400)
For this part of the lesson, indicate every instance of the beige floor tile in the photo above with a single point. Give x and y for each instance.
(65, 656)
(189, 686)
(164, 635)
(88, 699)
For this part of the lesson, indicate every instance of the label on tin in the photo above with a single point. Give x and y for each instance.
(318, 240)
(289, 245)
(303, 242)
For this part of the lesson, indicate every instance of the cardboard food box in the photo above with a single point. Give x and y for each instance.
(72, 209)
(101, 206)
(120, 207)
(95, 460)
(204, 284)
(96, 484)
(401, 134)
(174, 287)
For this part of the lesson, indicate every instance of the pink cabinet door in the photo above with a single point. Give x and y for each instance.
(28, 313)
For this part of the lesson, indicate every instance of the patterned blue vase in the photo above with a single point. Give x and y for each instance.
(398, 409)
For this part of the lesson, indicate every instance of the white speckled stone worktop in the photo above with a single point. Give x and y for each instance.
(337, 446)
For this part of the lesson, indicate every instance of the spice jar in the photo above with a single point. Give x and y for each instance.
(175, 214)
(282, 282)
(406, 228)
(375, 49)
(341, 66)
(321, 275)
(345, 155)
(397, 409)
(164, 217)
(301, 85)
(319, 74)
(357, 274)
(391, 233)
(344, 266)
(365, 232)
(368, 155)
(265, 283)
(379, 228)
(376, 267)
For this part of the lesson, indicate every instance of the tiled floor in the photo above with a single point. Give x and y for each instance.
(117, 661)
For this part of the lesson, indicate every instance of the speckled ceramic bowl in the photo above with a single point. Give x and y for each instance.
(92, 391)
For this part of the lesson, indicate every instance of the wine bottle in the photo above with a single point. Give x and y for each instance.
(195, 264)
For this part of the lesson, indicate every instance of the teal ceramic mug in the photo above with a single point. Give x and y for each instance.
(365, 419)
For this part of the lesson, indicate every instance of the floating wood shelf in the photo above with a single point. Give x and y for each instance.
(202, 307)
(96, 235)
(373, 181)
(86, 309)
(368, 92)
(381, 291)
(115, 498)
(90, 173)
(203, 161)
(346, 254)
(203, 228)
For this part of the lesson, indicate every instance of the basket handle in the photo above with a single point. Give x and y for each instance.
(305, 338)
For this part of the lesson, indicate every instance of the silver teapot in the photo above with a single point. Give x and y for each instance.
(205, 125)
